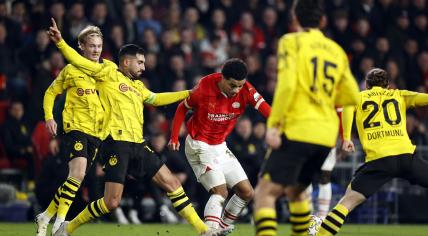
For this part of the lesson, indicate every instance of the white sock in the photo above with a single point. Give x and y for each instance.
(324, 199)
(232, 210)
(213, 209)
(57, 224)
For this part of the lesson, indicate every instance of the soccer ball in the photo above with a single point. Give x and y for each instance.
(314, 225)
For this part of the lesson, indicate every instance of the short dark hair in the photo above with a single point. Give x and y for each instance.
(234, 68)
(377, 77)
(130, 50)
(309, 12)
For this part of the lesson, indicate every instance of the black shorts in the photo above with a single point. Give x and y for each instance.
(295, 162)
(79, 144)
(370, 177)
(121, 159)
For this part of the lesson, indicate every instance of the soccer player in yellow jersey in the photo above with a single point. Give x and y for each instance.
(82, 120)
(313, 78)
(124, 150)
(380, 116)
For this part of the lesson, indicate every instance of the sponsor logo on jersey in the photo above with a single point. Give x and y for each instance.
(236, 105)
(81, 91)
(125, 88)
(112, 161)
(78, 146)
(220, 117)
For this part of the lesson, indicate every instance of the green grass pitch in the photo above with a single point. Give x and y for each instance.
(8, 229)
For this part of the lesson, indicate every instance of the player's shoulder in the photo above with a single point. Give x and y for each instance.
(139, 84)
(248, 87)
(336, 47)
(290, 36)
(209, 80)
(109, 63)
(70, 69)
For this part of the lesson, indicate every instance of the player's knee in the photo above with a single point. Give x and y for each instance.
(78, 174)
(112, 203)
(173, 184)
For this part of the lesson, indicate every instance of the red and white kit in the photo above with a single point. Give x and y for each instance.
(214, 117)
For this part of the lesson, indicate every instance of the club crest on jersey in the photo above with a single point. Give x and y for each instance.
(78, 146)
(236, 105)
(256, 97)
(112, 161)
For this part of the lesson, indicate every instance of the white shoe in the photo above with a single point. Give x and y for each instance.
(167, 216)
(56, 225)
(218, 231)
(62, 230)
(42, 226)
(121, 218)
(133, 217)
(314, 225)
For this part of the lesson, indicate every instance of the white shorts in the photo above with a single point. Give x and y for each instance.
(330, 161)
(213, 165)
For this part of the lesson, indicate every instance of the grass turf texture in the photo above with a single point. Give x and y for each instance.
(8, 229)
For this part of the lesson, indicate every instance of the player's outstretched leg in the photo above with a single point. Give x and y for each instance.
(168, 182)
(93, 210)
(334, 221)
(336, 218)
(185, 209)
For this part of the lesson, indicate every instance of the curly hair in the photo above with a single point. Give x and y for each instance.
(234, 69)
(377, 77)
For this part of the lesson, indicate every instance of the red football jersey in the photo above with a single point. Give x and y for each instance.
(214, 114)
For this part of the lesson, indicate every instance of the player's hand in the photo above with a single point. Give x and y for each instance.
(175, 146)
(54, 33)
(273, 138)
(51, 127)
(348, 146)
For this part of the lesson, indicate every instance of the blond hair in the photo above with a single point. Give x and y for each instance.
(89, 31)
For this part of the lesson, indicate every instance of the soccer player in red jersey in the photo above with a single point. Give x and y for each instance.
(217, 102)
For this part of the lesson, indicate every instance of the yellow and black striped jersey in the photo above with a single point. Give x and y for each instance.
(313, 79)
(380, 116)
(121, 97)
(82, 110)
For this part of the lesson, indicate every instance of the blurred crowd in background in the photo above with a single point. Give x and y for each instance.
(185, 40)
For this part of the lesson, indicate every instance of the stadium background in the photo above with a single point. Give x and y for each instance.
(185, 40)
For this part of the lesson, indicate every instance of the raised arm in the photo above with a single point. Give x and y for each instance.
(180, 115)
(414, 99)
(56, 88)
(87, 66)
(162, 99)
